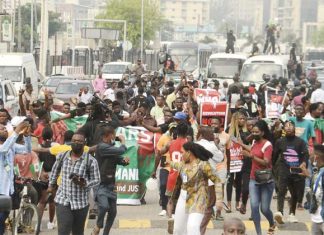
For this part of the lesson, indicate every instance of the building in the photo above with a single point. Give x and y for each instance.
(189, 17)
(292, 14)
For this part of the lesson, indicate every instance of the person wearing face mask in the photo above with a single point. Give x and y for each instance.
(290, 152)
(80, 173)
(108, 156)
(260, 192)
(194, 171)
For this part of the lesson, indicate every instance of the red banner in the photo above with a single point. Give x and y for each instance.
(208, 110)
(236, 157)
(206, 95)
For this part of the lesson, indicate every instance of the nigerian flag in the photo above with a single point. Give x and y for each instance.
(72, 123)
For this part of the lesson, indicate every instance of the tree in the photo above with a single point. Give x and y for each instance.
(207, 40)
(130, 10)
(318, 38)
(55, 24)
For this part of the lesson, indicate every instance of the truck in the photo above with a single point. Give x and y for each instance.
(20, 68)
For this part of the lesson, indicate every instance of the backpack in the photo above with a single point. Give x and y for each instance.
(311, 202)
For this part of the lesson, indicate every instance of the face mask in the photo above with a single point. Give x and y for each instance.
(77, 148)
(216, 129)
(256, 137)
(3, 139)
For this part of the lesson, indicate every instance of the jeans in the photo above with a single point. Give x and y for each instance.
(70, 220)
(3, 217)
(186, 224)
(245, 187)
(163, 183)
(260, 196)
(106, 200)
(235, 178)
(295, 185)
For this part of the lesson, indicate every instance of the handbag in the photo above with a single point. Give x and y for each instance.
(263, 176)
(5, 203)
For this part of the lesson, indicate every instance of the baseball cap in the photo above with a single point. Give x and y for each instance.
(17, 120)
(180, 116)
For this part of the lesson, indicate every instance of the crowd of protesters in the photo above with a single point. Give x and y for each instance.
(196, 181)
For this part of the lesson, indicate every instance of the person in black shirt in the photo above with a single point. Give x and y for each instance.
(289, 152)
(178, 103)
(230, 42)
(108, 157)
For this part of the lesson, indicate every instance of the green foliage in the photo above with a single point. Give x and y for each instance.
(318, 38)
(55, 24)
(207, 40)
(130, 10)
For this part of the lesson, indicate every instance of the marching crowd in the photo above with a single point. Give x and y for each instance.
(200, 166)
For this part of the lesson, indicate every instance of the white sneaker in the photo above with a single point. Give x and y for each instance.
(278, 217)
(163, 213)
(292, 218)
(50, 225)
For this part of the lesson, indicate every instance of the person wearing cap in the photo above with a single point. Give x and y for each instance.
(289, 152)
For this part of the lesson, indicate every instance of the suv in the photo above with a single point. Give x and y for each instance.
(8, 97)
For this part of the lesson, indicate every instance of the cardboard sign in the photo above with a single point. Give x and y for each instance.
(209, 110)
(206, 95)
(274, 103)
(236, 157)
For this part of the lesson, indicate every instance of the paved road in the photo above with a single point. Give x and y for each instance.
(142, 220)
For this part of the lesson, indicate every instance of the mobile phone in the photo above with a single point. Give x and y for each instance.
(295, 170)
(163, 161)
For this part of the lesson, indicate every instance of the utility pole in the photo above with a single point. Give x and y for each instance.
(44, 37)
(19, 26)
(31, 26)
(13, 24)
(142, 30)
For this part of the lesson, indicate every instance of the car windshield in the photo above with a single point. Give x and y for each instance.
(224, 67)
(254, 72)
(184, 58)
(11, 72)
(114, 69)
(53, 82)
(71, 88)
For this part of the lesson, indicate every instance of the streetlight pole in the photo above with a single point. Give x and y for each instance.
(31, 26)
(142, 29)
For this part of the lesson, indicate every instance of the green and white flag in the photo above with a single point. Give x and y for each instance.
(131, 179)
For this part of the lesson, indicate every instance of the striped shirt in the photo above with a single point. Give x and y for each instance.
(69, 193)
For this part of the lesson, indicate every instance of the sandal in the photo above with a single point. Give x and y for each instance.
(95, 231)
(271, 230)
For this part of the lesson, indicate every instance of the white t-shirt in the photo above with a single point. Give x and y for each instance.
(110, 94)
(317, 96)
(86, 98)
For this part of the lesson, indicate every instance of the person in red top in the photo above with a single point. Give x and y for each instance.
(260, 193)
(174, 148)
(44, 120)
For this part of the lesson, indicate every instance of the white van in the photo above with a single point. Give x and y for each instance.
(114, 71)
(254, 68)
(9, 97)
(223, 67)
(19, 68)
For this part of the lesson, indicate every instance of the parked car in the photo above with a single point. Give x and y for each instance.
(9, 97)
(69, 89)
(52, 82)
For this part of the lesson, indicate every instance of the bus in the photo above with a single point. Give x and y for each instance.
(187, 56)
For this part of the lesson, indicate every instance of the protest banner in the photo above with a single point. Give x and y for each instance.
(131, 179)
(208, 110)
(206, 95)
(140, 143)
(236, 157)
(274, 103)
